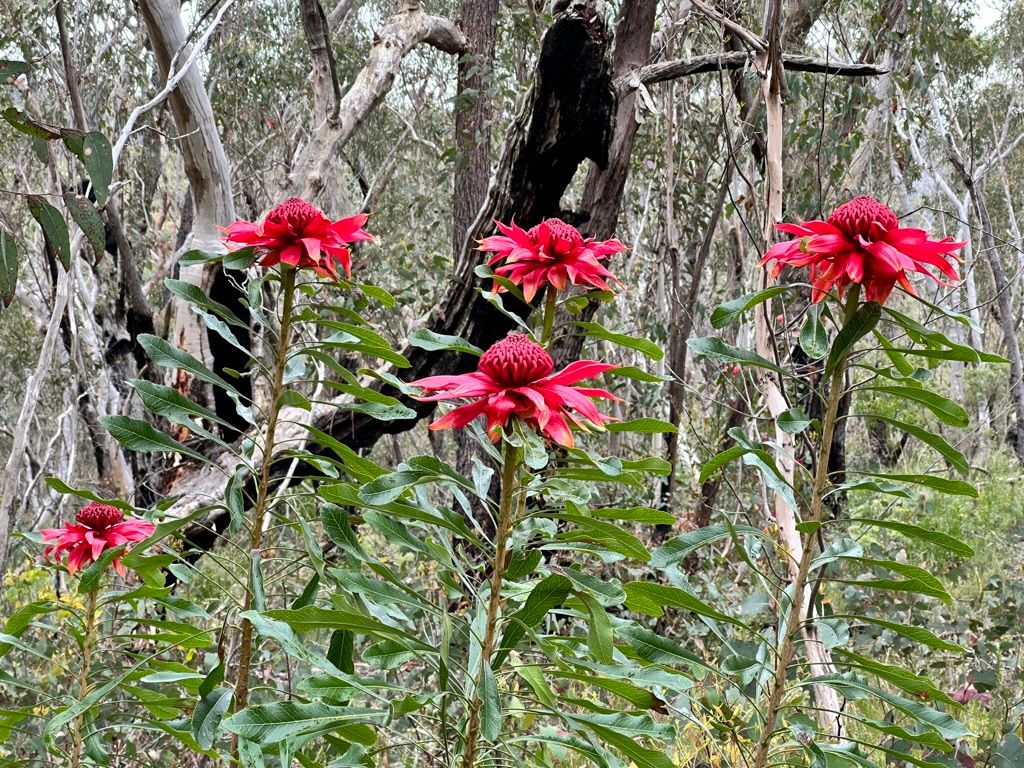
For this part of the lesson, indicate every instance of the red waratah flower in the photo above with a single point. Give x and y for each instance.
(862, 242)
(299, 234)
(514, 378)
(99, 527)
(552, 253)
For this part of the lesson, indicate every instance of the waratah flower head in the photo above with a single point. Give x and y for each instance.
(862, 243)
(300, 235)
(553, 254)
(97, 528)
(514, 379)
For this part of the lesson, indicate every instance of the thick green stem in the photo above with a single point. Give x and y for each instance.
(259, 511)
(785, 654)
(83, 674)
(509, 489)
(550, 304)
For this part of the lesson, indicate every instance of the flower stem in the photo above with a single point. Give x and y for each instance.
(509, 489)
(550, 299)
(83, 673)
(259, 511)
(785, 655)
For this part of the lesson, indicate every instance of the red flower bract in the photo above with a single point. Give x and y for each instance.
(514, 378)
(862, 242)
(298, 234)
(552, 253)
(97, 528)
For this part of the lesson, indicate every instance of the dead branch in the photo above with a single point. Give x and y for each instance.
(714, 62)
(410, 27)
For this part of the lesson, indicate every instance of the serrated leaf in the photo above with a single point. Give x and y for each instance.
(273, 723)
(142, 437)
(163, 353)
(207, 716)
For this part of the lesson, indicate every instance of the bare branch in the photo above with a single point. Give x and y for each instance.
(340, 13)
(403, 32)
(754, 41)
(714, 62)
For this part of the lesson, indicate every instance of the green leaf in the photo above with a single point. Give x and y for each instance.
(934, 537)
(644, 515)
(193, 294)
(272, 723)
(207, 716)
(944, 409)
(652, 599)
(731, 310)
(171, 404)
(903, 679)
(940, 484)
(90, 577)
(955, 457)
(793, 421)
(98, 160)
(656, 649)
(169, 356)
(636, 374)
(55, 231)
(862, 323)
(644, 425)
(312, 617)
(545, 595)
(813, 338)
(84, 213)
(917, 580)
(8, 267)
(630, 725)
(10, 69)
(212, 680)
(21, 619)
(23, 123)
(432, 342)
(643, 346)
(608, 535)
(940, 722)
(917, 634)
(717, 350)
(642, 757)
(600, 638)
(142, 437)
(679, 548)
(606, 591)
(490, 705)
